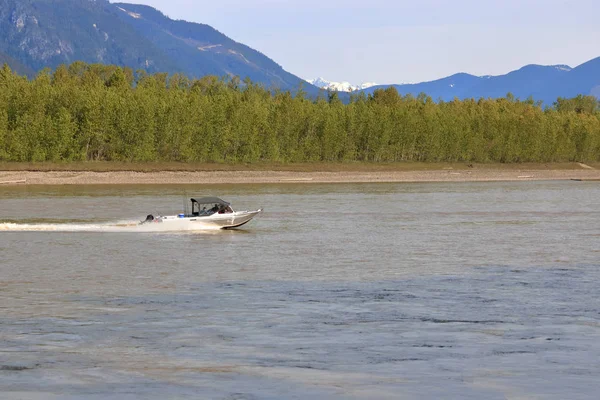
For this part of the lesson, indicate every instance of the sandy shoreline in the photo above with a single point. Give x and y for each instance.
(239, 177)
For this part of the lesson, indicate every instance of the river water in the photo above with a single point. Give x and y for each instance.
(337, 291)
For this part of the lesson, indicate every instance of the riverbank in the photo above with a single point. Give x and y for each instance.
(335, 173)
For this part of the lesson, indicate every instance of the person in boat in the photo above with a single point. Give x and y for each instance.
(215, 208)
(203, 211)
(226, 210)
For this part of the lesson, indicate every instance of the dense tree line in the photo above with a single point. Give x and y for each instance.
(96, 112)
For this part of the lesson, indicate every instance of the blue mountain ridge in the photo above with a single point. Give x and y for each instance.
(543, 83)
(203, 50)
(37, 34)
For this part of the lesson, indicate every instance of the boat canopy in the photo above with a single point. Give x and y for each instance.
(210, 200)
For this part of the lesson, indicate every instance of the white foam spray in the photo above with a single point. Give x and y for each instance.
(121, 226)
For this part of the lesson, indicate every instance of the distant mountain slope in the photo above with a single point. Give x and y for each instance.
(16, 66)
(47, 33)
(458, 85)
(584, 79)
(545, 83)
(202, 50)
(527, 81)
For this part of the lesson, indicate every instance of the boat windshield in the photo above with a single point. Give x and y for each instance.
(209, 206)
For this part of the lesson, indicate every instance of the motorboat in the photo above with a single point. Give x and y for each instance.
(206, 212)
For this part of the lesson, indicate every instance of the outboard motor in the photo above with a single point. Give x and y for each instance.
(149, 218)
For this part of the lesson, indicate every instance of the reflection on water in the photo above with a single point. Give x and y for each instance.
(371, 291)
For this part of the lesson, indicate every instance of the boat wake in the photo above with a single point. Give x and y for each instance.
(110, 227)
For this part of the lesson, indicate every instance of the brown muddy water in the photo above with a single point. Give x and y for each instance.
(338, 291)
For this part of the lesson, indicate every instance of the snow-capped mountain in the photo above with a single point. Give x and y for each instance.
(339, 86)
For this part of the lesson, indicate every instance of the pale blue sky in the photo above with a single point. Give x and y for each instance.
(401, 41)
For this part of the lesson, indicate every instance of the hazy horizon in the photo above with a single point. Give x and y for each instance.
(402, 42)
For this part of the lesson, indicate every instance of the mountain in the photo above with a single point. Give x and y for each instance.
(457, 85)
(47, 33)
(36, 34)
(544, 83)
(201, 49)
(527, 81)
(339, 86)
(583, 79)
(16, 66)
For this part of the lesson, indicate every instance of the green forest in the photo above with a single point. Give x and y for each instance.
(92, 112)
